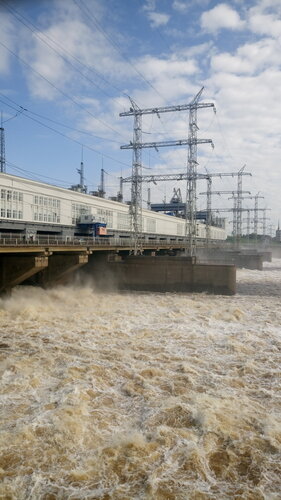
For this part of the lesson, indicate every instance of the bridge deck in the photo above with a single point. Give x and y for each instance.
(89, 245)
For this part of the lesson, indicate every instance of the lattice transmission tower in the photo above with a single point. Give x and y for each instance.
(136, 145)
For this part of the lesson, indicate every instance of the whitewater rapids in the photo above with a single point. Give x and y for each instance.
(142, 396)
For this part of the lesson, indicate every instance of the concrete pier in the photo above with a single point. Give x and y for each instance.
(276, 251)
(60, 267)
(162, 274)
(15, 269)
(249, 259)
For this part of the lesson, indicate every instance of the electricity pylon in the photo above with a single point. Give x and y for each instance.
(136, 145)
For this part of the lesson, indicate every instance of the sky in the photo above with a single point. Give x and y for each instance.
(68, 68)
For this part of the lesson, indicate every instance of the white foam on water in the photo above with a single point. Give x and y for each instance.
(142, 396)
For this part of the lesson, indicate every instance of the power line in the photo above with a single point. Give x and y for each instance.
(35, 175)
(70, 138)
(22, 19)
(59, 90)
(25, 110)
(84, 9)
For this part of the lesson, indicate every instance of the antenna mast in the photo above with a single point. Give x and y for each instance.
(2, 147)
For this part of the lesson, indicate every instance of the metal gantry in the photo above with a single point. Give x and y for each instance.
(256, 198)
(264, 219)
(209, 193)
(239, 204)
(136, 186)
(235, 206)
(255, 210)
(190, 219)
(136, 145)
(180, 176)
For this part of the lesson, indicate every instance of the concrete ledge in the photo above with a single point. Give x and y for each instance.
(166, 274)
(276, 251)
(60, 267)
(15, 269)
(238, 258)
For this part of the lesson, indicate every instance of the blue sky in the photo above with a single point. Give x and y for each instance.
(67, 67)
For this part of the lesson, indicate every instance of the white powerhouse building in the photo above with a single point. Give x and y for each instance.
(40, 208)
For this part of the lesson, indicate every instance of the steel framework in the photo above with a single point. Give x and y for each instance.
(136, 145)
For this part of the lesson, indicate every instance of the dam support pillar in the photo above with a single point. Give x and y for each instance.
(15, 269)
(60, 268)
(165, 274)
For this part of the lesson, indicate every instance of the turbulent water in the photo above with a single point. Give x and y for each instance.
(142, 396)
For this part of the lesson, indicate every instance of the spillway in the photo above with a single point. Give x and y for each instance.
(142, 395)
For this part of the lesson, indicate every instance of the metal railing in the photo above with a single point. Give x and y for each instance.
(49, 240)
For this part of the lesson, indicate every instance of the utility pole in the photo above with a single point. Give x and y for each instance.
(209, 193)
(101, 188)
(136, 145)
(209, 208)
(136, 187)
(81, 188)
(2, 147)
(190, 217)
(256, 198)
(120, 192)
(256, 210)
(81, 173)
(264, 219)
(148, 198)
(154, 178)
(248, 224)
(270, 230)
(239, 204)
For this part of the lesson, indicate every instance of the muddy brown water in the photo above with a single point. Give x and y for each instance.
(142, 396)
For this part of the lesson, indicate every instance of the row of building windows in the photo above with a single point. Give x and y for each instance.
(46, 201)
(78, 209)
(107, 216)
(123, 222)
(46, 209)
(9, 195)
(46, 217)
(11, 214)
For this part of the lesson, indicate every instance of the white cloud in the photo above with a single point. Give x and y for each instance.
(156, 68)
(7, 33)
(71, 36)
(232, 64)
(249, 58)
(245, 83)
(158, 19)
(180, 6)
(221, 16)
(185, 5)
(265, 24)
(149, 5)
